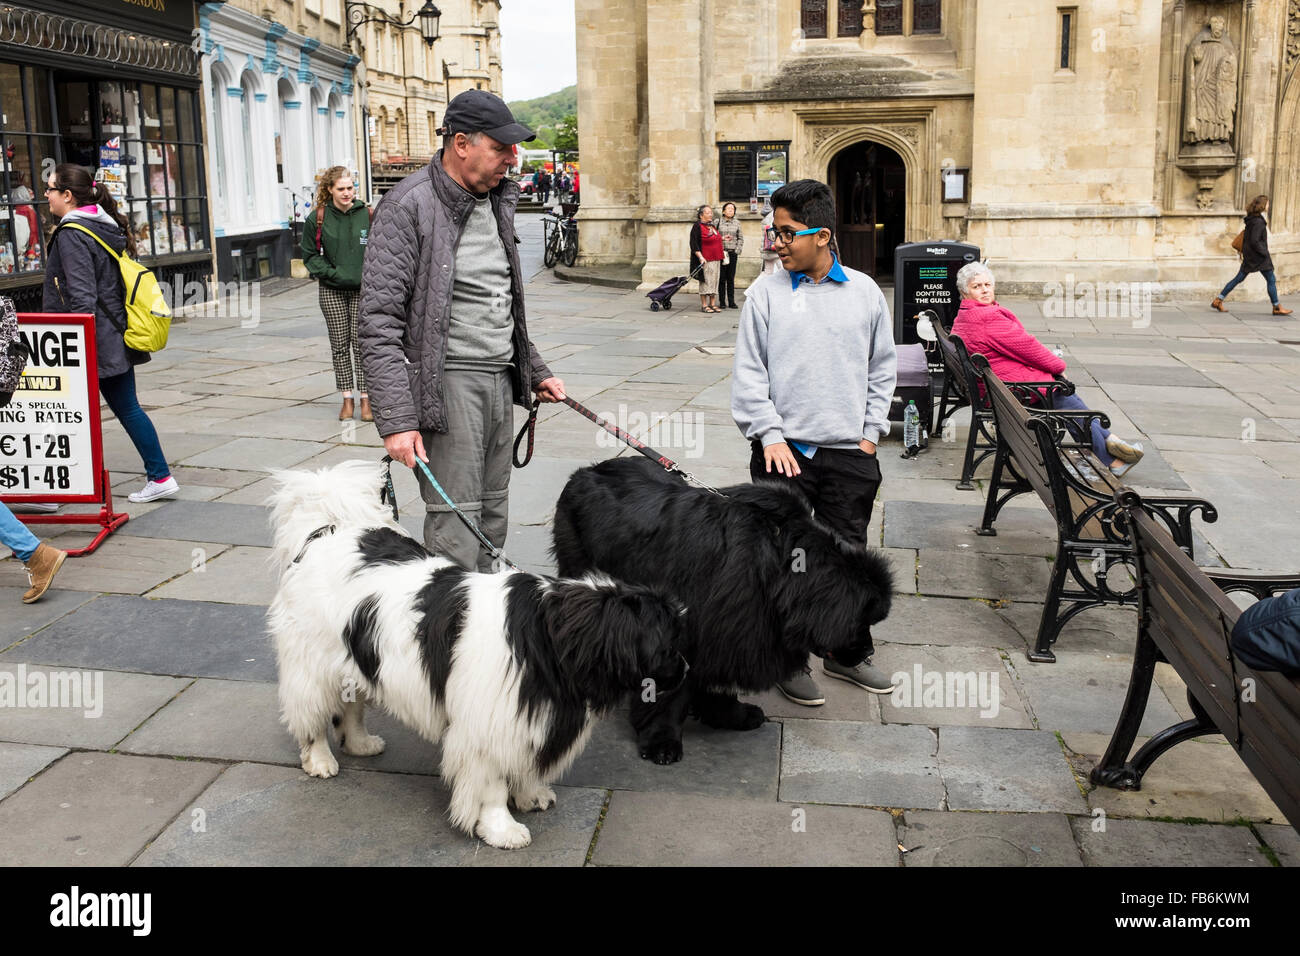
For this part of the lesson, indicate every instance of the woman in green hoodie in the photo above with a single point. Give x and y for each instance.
(333, 244)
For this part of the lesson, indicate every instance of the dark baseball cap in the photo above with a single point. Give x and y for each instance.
(476, 111)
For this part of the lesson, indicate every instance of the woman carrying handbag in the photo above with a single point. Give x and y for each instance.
(1254, 256)
(82, 277)
(333, 245)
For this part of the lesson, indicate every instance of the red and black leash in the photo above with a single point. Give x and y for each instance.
(530, 428)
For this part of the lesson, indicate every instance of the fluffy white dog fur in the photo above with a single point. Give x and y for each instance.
(508, 670)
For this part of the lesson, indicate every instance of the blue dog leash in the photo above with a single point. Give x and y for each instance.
(389, 496)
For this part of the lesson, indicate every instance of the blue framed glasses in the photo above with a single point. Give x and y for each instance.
(786, 236)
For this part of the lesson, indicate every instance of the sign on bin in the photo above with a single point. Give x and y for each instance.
(925, 277)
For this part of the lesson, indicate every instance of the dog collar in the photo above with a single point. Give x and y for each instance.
(318, 533)
(686, 669)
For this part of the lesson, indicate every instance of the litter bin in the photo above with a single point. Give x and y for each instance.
(925, 277)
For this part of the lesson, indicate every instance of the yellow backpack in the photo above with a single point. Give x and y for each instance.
(148, 316)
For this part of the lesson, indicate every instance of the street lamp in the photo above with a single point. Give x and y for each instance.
(428, 15)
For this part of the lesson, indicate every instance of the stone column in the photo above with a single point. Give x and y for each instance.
(611, 78)
(681, 139)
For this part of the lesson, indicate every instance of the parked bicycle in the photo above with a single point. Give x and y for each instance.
(560, 237)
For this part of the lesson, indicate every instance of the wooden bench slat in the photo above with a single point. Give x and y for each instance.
(1189, 619)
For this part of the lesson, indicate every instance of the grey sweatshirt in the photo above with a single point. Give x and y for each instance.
(816, 365)
(480, 332)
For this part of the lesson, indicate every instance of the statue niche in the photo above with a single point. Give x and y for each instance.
(1210, 76)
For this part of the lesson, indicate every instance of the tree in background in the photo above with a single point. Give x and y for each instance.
(566, 134)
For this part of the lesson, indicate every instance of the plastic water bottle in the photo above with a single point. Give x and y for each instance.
(911, 430)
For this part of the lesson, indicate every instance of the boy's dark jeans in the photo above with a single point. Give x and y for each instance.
(841, 484)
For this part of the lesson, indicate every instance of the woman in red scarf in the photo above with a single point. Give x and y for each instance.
(1016, 356)
(706, 255)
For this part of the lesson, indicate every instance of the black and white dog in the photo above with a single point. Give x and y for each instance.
(508, 670)
(765, 584)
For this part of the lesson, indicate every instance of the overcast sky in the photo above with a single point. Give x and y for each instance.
(537, 47)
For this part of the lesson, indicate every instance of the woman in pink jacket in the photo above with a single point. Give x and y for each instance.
(1016, 356)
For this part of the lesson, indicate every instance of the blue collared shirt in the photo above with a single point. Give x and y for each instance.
(836, 274)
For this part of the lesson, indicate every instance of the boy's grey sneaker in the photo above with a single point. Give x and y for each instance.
(864, 675)
(802, 689)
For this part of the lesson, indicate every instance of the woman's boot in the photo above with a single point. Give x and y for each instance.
(1217, 304)
(366, 416)
(345, 413)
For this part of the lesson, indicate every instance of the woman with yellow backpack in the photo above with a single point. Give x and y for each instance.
(82, 276)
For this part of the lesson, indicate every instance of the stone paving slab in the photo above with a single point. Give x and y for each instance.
(19, 619)
(535, 489)
(1283, 841)
(1007, 577)
(275, 816)
(20, 762)
(722, 763)
(216, 521)
(236, 575)
(945, 621)
(126, 564)
(844, 762)
(253, 454)
(644, 829)
(1201, 779)
(194, 638)
(1111, 629)
(1032, 773)
(240, 720)
(1085, 691)
(902, 563)
(95, 809)
(915, 524)
(949, 687)
(82, 708)
(1157, 843)
(1154, 374)
(935, 838)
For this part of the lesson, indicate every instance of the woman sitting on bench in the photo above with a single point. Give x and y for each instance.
(1016, 356)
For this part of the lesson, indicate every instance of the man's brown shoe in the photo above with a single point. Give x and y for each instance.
(41, 568)
(1278, 310)
(366, 416)
(345, 413)
(1217, 304)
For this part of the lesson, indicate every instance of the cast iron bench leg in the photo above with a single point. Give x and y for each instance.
(1114, 769)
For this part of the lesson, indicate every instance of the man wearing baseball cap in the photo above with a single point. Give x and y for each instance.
(442, 326)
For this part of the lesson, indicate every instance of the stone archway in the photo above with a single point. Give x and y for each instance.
(908, 139)
(1285, 210)
(869, 182)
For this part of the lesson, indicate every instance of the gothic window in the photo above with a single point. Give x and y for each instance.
(850, 24)
(925, 16)
(813, 18)
(889, 18)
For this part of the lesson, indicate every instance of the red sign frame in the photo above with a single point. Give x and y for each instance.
(107, 519)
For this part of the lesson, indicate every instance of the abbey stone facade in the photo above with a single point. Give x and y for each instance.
(1112, 141)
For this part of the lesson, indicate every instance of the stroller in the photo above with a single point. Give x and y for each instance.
(662, 297)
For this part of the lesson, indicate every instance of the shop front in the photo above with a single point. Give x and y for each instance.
(114, 87)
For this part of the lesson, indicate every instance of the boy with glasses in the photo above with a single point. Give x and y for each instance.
(812, 383)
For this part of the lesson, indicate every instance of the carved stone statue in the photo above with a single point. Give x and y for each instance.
(1211, 85)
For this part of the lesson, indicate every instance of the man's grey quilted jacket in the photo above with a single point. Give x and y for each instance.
(405, 309)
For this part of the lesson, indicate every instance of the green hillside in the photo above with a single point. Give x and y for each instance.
(544, 112)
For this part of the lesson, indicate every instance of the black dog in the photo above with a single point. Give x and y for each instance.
(763, 582)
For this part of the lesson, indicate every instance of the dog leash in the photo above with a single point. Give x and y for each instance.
(664, 461)
(388, 495)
